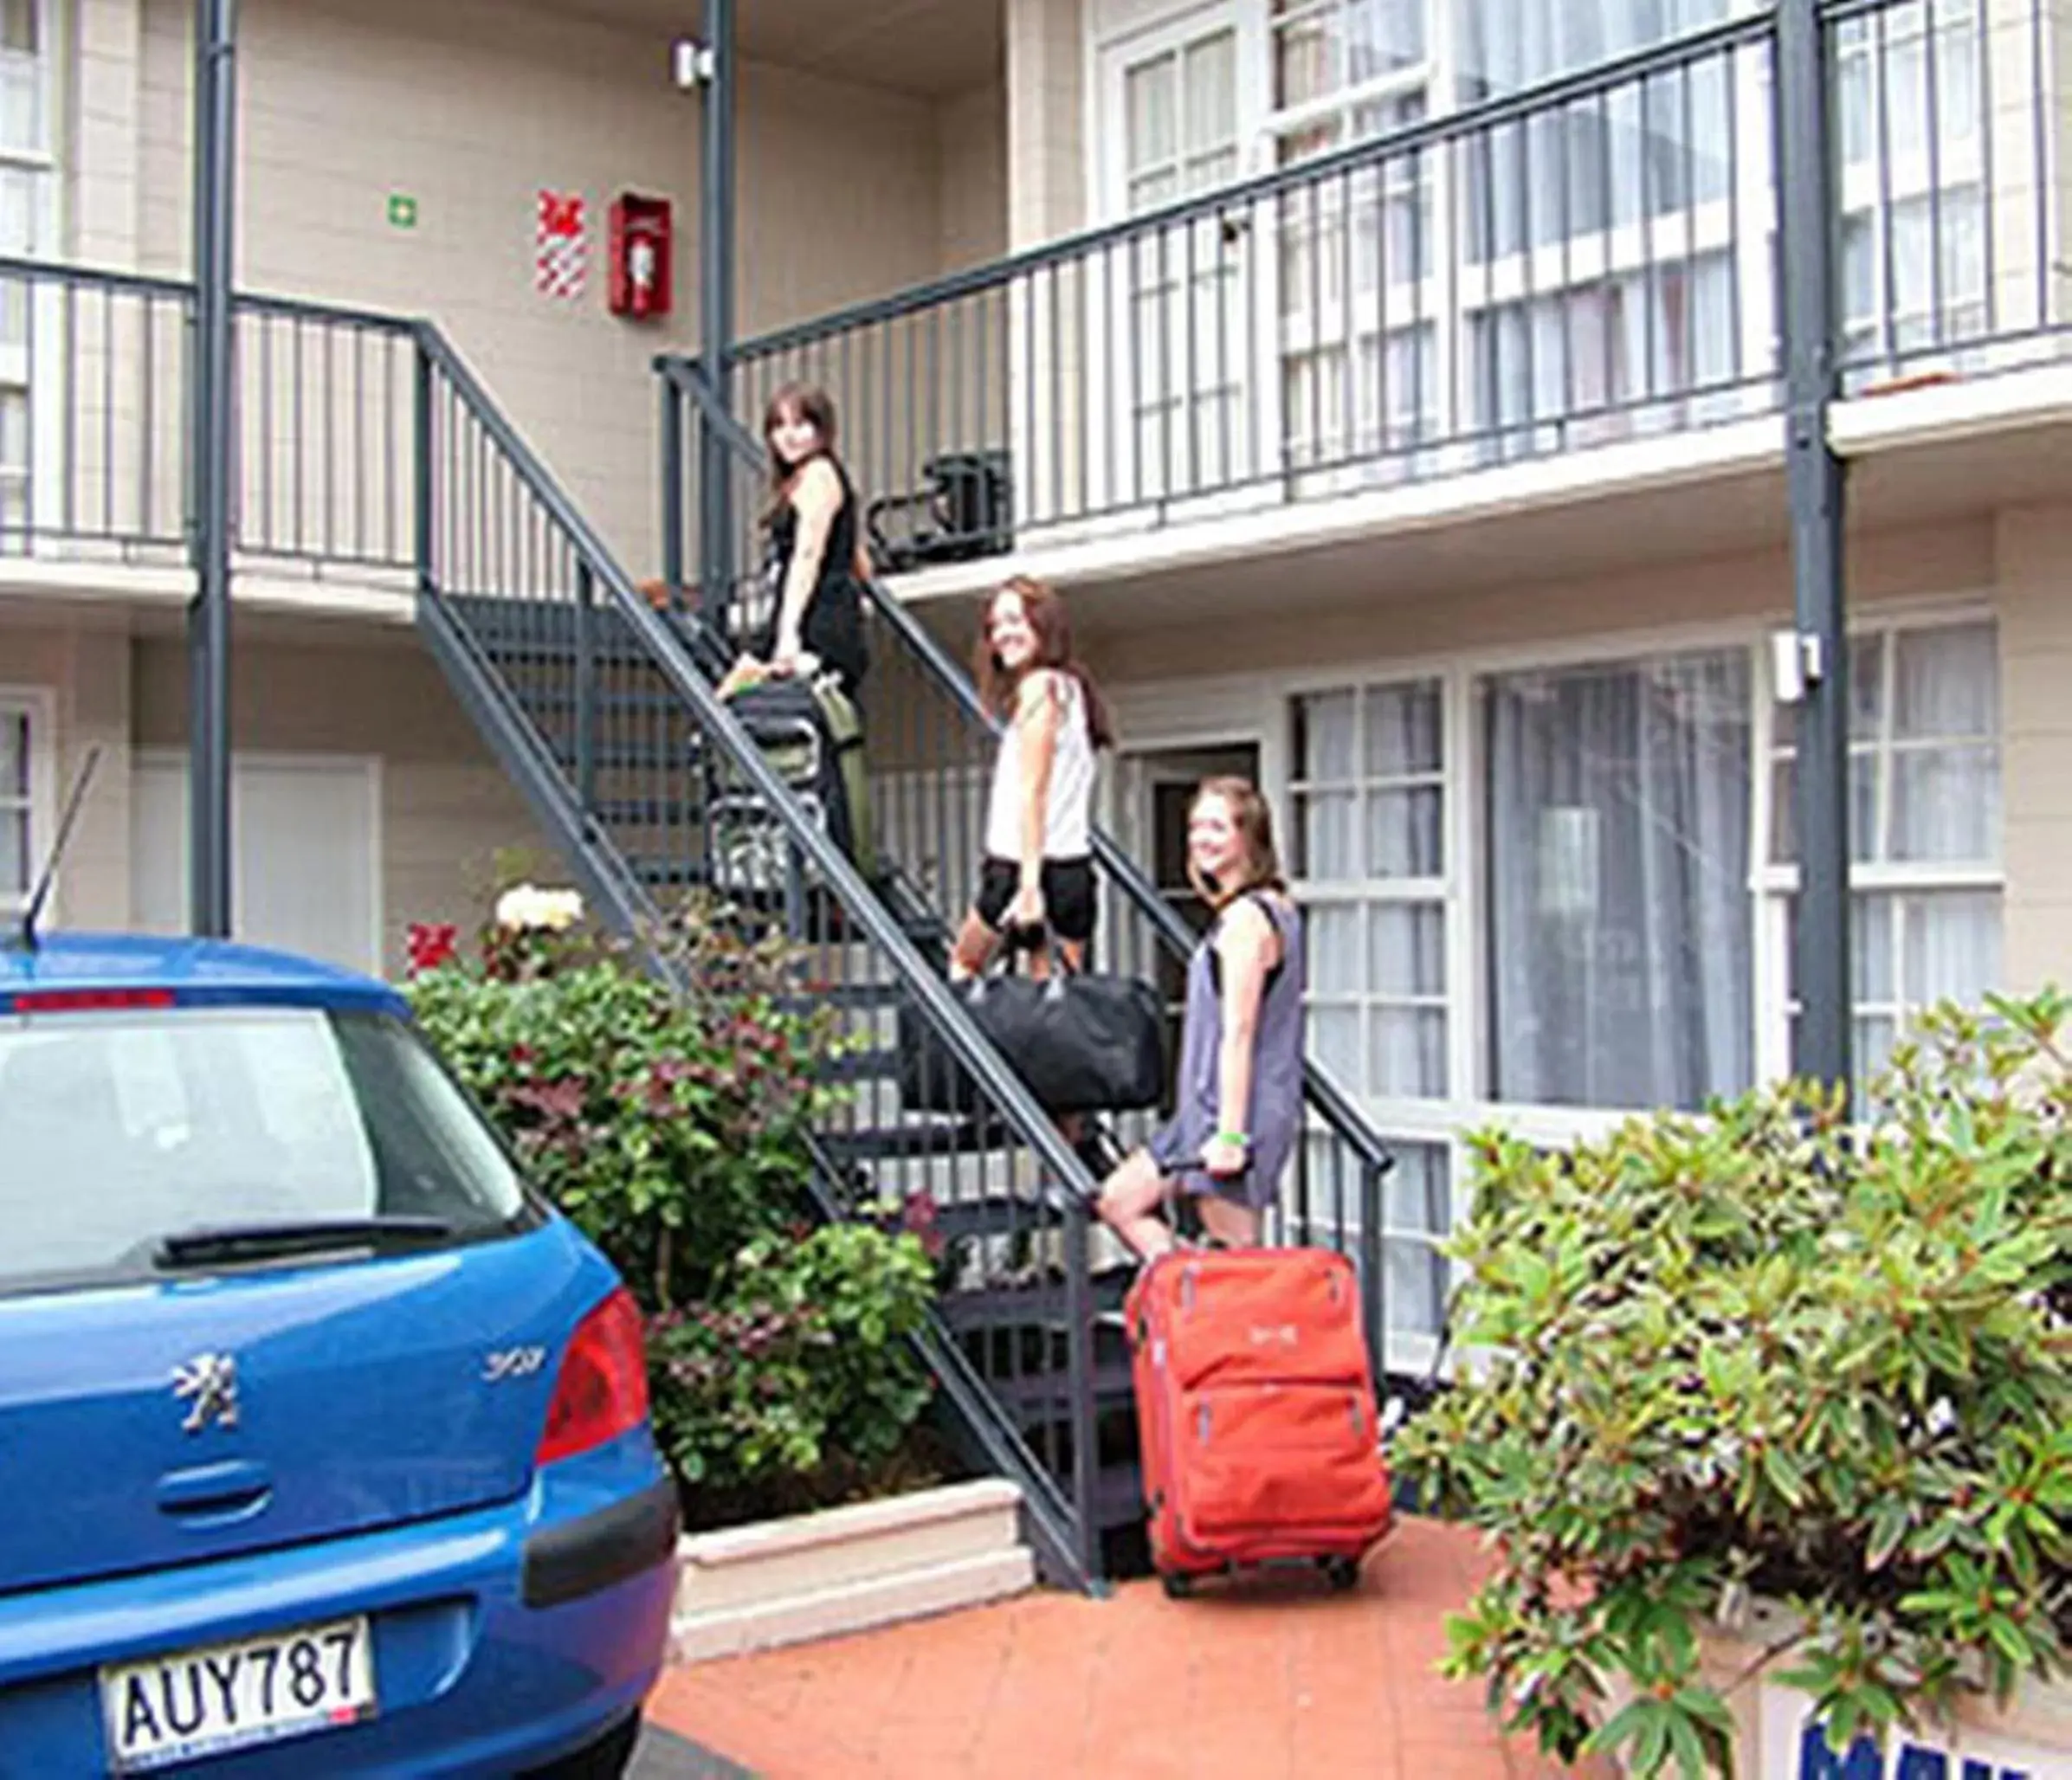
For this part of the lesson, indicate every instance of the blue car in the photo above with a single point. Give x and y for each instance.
(324, 1444)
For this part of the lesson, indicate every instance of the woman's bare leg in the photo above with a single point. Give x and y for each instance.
(1234, 1226)
(1129, 1197)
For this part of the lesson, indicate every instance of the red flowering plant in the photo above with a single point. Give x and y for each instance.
(428, 946)
(673, 1126)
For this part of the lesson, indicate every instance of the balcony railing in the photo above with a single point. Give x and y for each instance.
(1591, 261)
(95, 389)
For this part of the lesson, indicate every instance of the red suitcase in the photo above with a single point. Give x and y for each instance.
(1256, 1412)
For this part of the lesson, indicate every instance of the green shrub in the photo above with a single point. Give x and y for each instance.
(670, 1128)
(803, 1358)
(673, 1130)
(1767, 1352)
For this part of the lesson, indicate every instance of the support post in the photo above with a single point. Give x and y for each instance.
(716, 260)
(673, 470)
(586, 690)
(1080, 1360)
(209, 617)
(1805, 185)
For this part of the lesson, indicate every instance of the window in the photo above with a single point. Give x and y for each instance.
(1359, 374)
(205, 1117)
(1617, 937)
(17, 806)
(1557, 280)
(1620, 925)
(1640, 149)
(1573, 365)
(1909, 108)
(1185, 372)
(25, 233)
(1370, 816)
(1419, 1205)
(1924, 824)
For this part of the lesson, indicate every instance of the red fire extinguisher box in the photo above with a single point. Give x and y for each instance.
(642, 256)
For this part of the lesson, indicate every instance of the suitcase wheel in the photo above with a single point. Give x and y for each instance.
(1342, 1573)
(1176, 1587)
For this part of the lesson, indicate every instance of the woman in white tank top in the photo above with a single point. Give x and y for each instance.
(1037, 875)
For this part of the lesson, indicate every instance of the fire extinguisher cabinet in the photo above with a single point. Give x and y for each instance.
(643, 257)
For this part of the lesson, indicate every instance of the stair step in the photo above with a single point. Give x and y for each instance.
(1042, 1396)
(1014, 1306)
(648, 812)
(616, 753)
(663, 873)
(916, 1142)
(875, 1063)
(661, 700)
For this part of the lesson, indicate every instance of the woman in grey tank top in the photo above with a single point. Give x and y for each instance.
(1238, 1111)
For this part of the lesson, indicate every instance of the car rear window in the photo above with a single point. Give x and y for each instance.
(119, 1129)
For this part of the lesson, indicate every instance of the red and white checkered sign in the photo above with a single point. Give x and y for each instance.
(560, 245)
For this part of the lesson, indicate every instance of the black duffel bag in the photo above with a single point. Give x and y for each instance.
(1082, 1044)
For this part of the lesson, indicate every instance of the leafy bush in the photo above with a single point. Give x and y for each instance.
(1767, 1352)
(672, 1128)
(802, 1358)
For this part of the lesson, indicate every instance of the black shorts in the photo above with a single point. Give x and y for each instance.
(1067, 895)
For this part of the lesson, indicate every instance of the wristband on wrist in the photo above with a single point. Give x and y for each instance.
(1234, 1136)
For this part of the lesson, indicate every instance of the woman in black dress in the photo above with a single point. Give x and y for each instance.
(815, 564)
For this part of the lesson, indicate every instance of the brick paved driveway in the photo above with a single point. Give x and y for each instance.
(1267, 1681)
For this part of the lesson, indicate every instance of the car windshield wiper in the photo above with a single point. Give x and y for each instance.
(249, 1242)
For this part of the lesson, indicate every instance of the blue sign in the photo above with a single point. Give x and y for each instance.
(1910, 1761)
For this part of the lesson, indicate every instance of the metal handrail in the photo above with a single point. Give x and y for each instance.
(1510, 107)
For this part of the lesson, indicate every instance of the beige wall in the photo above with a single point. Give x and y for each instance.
(85, 669)
(2035, 552)
(446, 807)
(971, 156)
(1949, 559)
(470, 106)
(1046, 134)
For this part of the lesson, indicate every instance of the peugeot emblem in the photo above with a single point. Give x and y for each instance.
(208, 1384)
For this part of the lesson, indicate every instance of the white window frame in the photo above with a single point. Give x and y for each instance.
(1451, 293)
(1466, 1106)
(1114, 465)
(1891, 176)
(1777, 883)
(34, 369)
(40, 708)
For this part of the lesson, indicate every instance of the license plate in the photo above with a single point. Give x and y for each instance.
(193, 1703)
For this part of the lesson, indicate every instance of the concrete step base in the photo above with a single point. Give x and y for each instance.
(848, 1570)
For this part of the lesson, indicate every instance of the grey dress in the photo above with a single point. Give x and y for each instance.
(1275, 1124)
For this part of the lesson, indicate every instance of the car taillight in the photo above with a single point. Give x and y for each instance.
(602, 1389)
(87, 1000)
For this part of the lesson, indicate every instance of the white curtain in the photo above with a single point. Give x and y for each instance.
(1654, 146)
(1596, 358)
(1618, 811)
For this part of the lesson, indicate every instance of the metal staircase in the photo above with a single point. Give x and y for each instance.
(929, 747)
(603, 710)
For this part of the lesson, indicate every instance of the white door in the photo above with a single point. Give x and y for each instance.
(1177, 311)
(306, 864)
